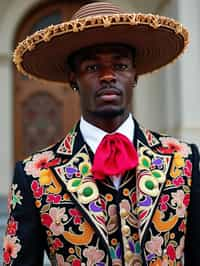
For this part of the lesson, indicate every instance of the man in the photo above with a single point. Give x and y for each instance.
(111, 192)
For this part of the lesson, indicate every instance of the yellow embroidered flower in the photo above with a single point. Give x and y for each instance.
(45, 177)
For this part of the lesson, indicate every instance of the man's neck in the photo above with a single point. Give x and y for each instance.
(107, 124)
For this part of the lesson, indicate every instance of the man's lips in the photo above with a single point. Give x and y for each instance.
(108, 94)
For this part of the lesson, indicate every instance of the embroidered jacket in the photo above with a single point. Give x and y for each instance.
(55, 205)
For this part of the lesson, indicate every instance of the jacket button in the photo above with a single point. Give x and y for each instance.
(128, 256)
(126, 230)
(123, 213)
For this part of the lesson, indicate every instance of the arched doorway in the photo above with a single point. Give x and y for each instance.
(43, 113)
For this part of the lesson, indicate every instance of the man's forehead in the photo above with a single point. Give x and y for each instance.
(96, 50)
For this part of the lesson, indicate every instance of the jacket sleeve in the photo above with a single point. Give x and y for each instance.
(192, 249)
(24, 241)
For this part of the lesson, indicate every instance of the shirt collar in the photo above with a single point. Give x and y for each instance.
(93, 135)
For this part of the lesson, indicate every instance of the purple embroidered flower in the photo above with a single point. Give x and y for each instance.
(70, 171)
(158, 162)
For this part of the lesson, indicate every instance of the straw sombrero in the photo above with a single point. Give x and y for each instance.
(158, 40)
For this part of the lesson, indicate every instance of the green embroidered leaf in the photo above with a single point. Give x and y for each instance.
(71, 258)
(45, 208)
(146, 162)
(186, 189)
(112, 253)
(166, 238)
(78, 251)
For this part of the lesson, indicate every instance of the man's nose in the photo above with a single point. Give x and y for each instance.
(107, 74)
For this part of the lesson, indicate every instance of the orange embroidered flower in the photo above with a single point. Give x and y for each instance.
(135, 236)
(114, 241)
(157, 262)
(71, 250)
(37, 203)
(109, 197)
(126, 192)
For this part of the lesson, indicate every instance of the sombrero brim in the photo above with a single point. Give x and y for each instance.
(158, 41)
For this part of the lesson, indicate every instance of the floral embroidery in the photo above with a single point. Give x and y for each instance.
(54, 198)
(61, 261)
(15, 196)
(12, 227)
(180, 248)
(163, 202)
(188, 168)
(154, 245)
(172, 145)
(76, 216)
(11, 248)
(181, 201)
(93, 255)
(171, 252)
(57, 243)
(40, 161)
(55, 220)
(37, 189)
(179, 181)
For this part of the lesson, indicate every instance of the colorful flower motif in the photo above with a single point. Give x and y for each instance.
(163, 202)
(157, 162)
(180, 248)
(57, 244)
(37, 189)
(61, 261)
(55, 220)
(76, 215)
(11, 247)
(134, 197)
(188, 168)
(76, 262)
(181, 201)
(154, 245)
(182, 227)
(171, 252)
(173, 145)
(39, 161)
(16, 196)
(93, 255)
(179, 181)
(12, 227)
(51, 198)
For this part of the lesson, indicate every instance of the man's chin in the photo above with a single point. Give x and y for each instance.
(109, 113)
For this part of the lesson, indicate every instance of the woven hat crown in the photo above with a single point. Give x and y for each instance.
(97, 8)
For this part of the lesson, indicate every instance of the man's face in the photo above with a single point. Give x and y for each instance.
(105, 76)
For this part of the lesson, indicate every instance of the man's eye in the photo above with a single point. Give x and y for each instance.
(121, 67)
(92, 68)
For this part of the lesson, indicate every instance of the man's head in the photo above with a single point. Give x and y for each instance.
(105, 76)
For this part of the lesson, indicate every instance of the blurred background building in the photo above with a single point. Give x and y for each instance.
(34, 115)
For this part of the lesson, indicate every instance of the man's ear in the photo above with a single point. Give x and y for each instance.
(135, 80)
(72, 80)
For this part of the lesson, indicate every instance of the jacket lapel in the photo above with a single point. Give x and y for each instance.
(151, 175)
(75, 174)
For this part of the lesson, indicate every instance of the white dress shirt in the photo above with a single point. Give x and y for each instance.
(93, 136)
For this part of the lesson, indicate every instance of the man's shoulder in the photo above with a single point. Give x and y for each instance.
(166, 143)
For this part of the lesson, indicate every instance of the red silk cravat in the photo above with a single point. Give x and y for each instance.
(114, 156)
